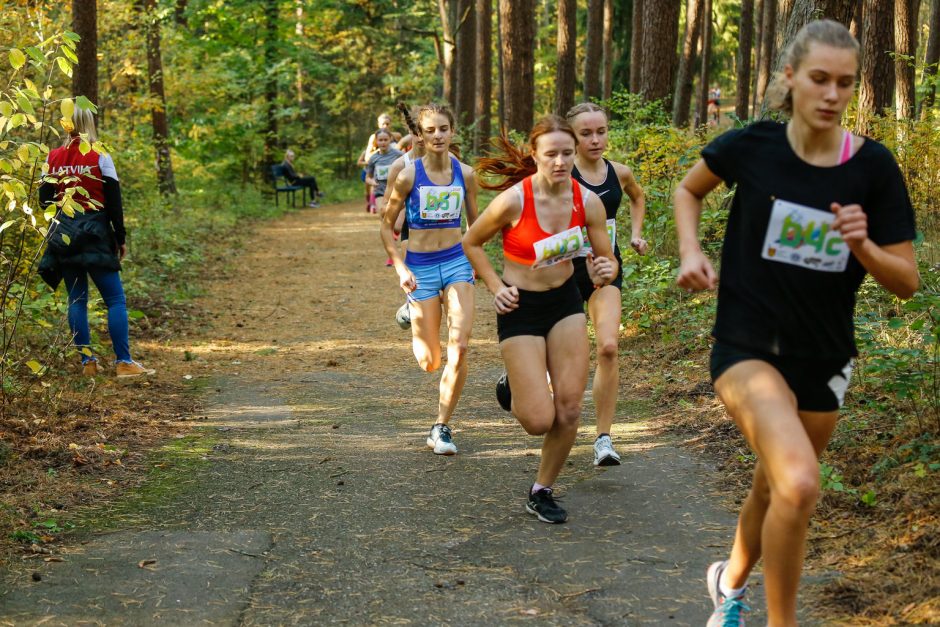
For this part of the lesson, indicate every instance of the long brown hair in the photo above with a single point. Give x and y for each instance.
(510, 163)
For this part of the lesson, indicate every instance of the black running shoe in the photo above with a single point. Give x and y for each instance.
(543, 505)
(503, 393)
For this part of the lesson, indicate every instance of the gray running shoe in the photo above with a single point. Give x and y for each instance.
(728, 610)
(403, 316)
(440, 440)
(604, 453)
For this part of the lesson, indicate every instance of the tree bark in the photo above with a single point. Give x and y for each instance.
(467, 62)
(660, 37)
(856, 26)
(270, 86)
(608, 73)
(804, 11)
(179, 12)
(517, 32)
(702, 117)
(905, 37)
(932, 58)
(165, 179)
(876, 91)
(759, 36)
(685, 74)
(636, 46)
(768, 28)
(623, 36)
(745, 42)
(85, 73)
(784, 9)
(593, 49)
(448, 12)
(566, 70)
(483, 110)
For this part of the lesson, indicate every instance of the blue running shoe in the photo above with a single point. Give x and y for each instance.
(728, 610)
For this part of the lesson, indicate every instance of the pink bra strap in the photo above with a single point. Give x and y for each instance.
(846, 147)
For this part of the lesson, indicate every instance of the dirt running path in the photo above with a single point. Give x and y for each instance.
(319, 503)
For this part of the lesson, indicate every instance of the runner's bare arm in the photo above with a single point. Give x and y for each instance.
(396, 202)
(695, 270)
(602, 265)
(637, 206)
(393, 171)
(503, 211)
(470, 180)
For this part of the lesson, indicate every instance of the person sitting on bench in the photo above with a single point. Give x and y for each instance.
(310, 182)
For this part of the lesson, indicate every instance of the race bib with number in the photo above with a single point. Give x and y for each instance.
(381, 172)
(441, 203)
(611, 233)
(803, 236)
(559, 247)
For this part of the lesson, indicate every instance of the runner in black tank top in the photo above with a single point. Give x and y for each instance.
(609, 181)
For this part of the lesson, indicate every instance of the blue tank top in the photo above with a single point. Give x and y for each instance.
(433, 206)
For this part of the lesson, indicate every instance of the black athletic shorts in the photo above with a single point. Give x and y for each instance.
(538, 312)
(583, 279)
(819, 384)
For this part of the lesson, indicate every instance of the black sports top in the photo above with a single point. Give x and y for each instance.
(609, 191)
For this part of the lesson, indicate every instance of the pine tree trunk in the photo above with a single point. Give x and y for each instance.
(448, 12)
(784, 9)
(660, 38)
(299, 32)
(932, 57)
(636, 46)
(745, 43)
(608, 73)
(179, 12)
(856, 26)
(804, 11)
(517, 26)
(483, 110)
(270, 86)
(566, 70)
(623, 36)
(85, 73)
(703, 85)
(767, 52)
(684, 79)
(876, 91)
(593, 49)
(165, 180)
(465, 88)
(759, 36)
(905, 35)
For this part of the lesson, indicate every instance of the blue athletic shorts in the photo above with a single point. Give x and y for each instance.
(436, 270)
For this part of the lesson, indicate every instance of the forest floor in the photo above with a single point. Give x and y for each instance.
(296, 487)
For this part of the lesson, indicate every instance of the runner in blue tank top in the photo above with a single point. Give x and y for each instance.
(609, 181)
(435, 273)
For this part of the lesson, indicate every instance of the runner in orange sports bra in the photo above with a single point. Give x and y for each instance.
(540, 315)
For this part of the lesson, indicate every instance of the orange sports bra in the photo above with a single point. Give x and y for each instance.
(519, 241)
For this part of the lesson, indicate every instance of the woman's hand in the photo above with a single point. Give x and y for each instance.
(696, 272)
(851, 223)
(640, 245)
(407, 281)
(600, 270)
(506, 299)
(122, 252)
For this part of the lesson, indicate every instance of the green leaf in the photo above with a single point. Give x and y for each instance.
(6, 109)
(84, 103)
(35, 366)
(36, 54)
(17, 58)
(64, 66)
(84, 147)
(84, 350)
(66, 239)
(895, 323)
(18, 119)
(71, 36)
(67, 107)
(25, 104)
(6, 225)
(136, 314)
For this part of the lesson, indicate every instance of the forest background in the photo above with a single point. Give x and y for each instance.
(197, 98)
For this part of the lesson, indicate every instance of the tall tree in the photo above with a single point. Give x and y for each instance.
(660, 38)
(483, 109)
(85, 73)
(594, 48)
(270, 84)
(905, 37)
(856, 25)
(932, 58)
(623, 36)
(179, 12)
(517, 32)
(804, 11)
(448, 13)
(745, 43)
(704, 79)
(784, 9)
(876, 91)
(607, 87)
(636, 46)
(566, 70)
(685, 75)
(165, 179)
(466, 36)
(759, 26)
(767, 45)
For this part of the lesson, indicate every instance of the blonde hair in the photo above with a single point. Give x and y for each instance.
(826, 32)
(83, 123)
(584, 107)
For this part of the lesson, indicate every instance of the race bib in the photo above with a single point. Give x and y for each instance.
(441, 203)
(381, 172)
(802, 236)
(559, 247)
(611, 233)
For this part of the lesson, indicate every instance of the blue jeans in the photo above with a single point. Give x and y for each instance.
(109, 285)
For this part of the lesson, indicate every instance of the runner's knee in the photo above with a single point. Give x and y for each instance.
(798, 489)
(607, 349)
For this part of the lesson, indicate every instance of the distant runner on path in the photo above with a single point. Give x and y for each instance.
(815, 209)
(609, 180)
(540, 314)
(434, 191)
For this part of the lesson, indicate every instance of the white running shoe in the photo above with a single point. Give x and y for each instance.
(729, 611)
(604, 453)
(440, 440)
(403, 316)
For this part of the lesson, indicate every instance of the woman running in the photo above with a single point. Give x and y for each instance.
(540, 314)
(814, 209)
(609, 180)
(435, 272)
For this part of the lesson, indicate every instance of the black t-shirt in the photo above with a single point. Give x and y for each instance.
(775, 294)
